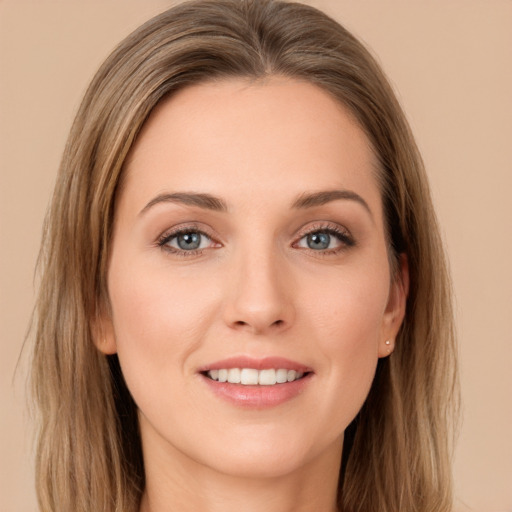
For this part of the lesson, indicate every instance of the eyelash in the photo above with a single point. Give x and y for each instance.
(341, 234)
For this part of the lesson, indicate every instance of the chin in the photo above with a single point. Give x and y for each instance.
(263, 465)
(268, 456)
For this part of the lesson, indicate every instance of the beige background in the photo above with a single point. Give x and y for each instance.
(451, 62)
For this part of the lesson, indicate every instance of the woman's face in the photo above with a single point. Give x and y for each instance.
(249, 244)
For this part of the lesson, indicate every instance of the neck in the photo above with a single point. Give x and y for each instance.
(174, 482)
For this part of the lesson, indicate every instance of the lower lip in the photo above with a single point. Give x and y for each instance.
(258, 397)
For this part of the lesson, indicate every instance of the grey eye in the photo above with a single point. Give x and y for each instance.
(325, 239)
(188, 241)
(318, 240)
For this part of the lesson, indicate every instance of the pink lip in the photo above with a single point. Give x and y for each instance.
(257, 397)
(257, 364)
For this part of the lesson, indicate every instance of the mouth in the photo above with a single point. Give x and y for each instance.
(257, 383)
(254, 377)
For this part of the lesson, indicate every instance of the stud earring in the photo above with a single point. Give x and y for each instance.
(388, 345)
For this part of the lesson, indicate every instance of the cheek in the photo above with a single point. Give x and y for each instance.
(350, 314)
(347, 326)
(157, 322)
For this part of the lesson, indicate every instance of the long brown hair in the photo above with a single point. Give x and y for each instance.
(397, 451)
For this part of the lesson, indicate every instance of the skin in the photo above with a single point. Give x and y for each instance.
(255, 288)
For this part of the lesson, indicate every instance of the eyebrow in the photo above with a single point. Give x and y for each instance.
(210, 202)
(310, 200)
(205, 201)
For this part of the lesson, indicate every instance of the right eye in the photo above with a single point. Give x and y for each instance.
(186, 242)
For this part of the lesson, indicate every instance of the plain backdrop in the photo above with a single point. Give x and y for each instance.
(451, 64)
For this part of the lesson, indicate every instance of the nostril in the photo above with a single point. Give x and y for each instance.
(274, 325)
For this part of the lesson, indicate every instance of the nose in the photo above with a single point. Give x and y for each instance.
(260, 297)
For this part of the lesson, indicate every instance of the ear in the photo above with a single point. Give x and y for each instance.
(103, 331)
(395, 309)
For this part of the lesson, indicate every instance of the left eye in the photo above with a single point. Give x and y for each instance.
(187, 241)
(321, 240)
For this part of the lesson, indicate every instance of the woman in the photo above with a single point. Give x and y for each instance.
(244, 300)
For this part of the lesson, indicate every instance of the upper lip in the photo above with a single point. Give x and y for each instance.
(265, 363)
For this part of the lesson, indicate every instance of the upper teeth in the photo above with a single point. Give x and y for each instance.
(250, 376)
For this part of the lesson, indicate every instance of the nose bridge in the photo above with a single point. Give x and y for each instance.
(260, 298)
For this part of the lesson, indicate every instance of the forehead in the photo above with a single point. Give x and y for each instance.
(235, 136)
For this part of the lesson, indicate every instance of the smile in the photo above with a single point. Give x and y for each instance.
(253, 377)
(257, 383)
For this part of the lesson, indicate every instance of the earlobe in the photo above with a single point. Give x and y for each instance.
(396, 307)
(103, 333)
(106, 345)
